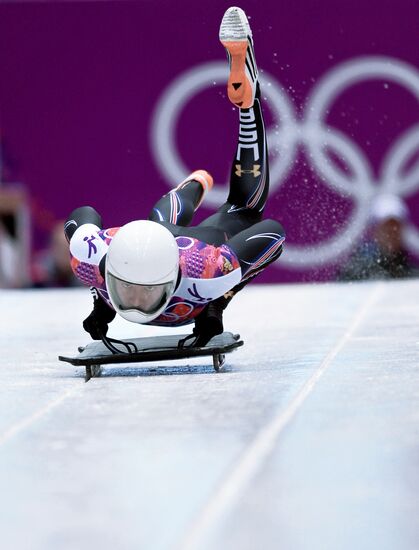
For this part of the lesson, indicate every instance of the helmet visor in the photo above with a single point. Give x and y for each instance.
(143, 298)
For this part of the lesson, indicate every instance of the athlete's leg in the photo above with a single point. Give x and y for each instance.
(249, 180)
(178, 206)
(258, 246)
(256, 243)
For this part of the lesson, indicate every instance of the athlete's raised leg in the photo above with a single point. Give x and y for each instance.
(178, 206)
(256, 243)
(249, 179)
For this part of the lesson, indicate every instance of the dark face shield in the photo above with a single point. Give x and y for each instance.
(144, 298)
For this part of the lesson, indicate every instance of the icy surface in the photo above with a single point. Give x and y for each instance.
(309, 440)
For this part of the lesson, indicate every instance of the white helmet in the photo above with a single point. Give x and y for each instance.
(142, 267)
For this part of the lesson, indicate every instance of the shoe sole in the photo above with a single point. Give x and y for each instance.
(235, 35)
(239, 89)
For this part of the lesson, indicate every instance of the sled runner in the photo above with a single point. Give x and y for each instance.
(154, 348)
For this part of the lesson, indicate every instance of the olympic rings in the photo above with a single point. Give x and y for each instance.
(310, 131)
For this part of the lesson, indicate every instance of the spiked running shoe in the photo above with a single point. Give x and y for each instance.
(236, 37)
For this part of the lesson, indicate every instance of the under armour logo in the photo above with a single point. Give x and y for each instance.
(255, 170)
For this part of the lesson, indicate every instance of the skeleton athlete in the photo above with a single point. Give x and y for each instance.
(161, 271)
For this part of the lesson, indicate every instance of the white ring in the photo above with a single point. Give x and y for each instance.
(318, 139)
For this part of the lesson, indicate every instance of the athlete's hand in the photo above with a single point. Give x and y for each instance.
(209, 323)
(97, 322)
(95, 326)
(204, 336)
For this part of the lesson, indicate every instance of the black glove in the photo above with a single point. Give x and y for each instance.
(209, 322)
(96, 324)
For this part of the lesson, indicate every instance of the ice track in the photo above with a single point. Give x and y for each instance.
(309, 440)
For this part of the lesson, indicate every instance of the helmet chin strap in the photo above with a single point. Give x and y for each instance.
(130, 347)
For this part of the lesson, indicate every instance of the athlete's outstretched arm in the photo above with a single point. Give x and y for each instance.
(88, 253)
